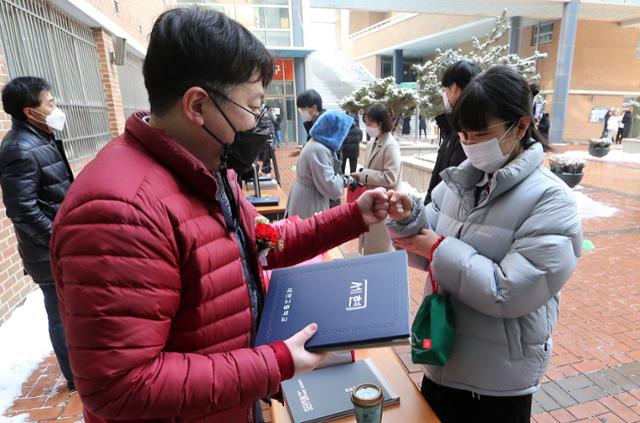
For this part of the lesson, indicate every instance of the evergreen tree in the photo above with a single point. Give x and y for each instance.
(400, 101)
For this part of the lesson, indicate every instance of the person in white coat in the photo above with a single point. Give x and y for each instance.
(612, 126)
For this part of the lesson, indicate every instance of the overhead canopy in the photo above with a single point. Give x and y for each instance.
(290, 52)
(626, 12)
(423, 46)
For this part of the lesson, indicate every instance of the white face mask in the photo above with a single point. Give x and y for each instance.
(373, 131)
(55, 120)
(487, 155)
(445, 100)
(306, 114)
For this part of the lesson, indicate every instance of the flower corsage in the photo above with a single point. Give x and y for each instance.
(266, 239)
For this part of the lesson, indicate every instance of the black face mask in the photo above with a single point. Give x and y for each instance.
(246, 145)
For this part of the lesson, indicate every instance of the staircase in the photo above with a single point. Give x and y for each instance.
(334, 77)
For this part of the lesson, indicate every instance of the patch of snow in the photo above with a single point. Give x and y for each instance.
(25, 342)
(409, 189)
(588, 208)
(614, 156)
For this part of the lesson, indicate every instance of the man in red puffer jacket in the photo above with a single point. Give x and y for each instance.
(154, 251)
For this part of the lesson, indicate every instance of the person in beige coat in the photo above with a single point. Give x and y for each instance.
(382, 168)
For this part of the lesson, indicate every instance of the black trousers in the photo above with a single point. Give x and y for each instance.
(353, 162)
(458, 406)
(56, 331)
(265, 157)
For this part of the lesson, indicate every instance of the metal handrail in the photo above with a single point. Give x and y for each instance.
(381, 25)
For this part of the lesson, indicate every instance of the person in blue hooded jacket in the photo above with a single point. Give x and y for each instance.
(317, 180)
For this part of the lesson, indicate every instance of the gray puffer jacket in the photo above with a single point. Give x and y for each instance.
(503, 263)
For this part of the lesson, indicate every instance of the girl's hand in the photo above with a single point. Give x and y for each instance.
(420, 244)
(400, 205)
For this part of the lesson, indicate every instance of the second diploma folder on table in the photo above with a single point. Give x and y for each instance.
(357, 303)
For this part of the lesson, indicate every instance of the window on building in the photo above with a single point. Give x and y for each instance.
(386, 66)
(408, 73)
(116, 6)
(140, 29)
(274, 17)
(269, 2)
(542, 34)
(268, 20)
(638, 49)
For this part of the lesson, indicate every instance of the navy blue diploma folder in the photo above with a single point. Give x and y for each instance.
(357, 303)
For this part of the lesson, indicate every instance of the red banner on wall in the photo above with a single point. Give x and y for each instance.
(284, 70)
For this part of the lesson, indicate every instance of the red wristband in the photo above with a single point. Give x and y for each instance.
(435, 245)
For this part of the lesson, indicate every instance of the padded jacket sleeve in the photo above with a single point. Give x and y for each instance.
(307, 238)
(543, 255)
(116, 341)
(20, 181)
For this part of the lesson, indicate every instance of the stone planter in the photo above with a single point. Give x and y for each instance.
(631, 145)
(571, 179)
(407, 149)
(417, 173)
(598, 151)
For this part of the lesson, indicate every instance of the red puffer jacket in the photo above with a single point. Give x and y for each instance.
(152, 293)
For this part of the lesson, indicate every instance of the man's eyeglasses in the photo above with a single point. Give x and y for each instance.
(259, 115)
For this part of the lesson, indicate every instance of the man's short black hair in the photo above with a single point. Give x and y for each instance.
(23, 92)
(460, 73)
(309, 98)
(195, 46)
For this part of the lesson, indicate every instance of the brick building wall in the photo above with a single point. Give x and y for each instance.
(605, 59)
(136, 18)
(14, 286)
(110, 81)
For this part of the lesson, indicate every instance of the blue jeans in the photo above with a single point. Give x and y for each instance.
(278, 137)
(56, 331)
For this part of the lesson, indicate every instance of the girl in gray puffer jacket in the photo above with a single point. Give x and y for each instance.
(504, 236)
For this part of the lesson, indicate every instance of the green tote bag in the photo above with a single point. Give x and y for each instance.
(433, 330)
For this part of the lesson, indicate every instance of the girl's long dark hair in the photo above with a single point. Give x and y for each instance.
(500, 93)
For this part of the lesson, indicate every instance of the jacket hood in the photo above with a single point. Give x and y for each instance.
(331, 129)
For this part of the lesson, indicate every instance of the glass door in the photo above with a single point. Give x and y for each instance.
(280, 96)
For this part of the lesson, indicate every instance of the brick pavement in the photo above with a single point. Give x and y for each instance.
(594, 374)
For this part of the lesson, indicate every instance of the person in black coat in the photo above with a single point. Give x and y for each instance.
(422, 125)
(310, 107)
(351, 148)
(544, 125)
(268, 123)
(406, 125)
(606, 119)
(35, 177)
(627, 120)
(450, 153)
(278, 131)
